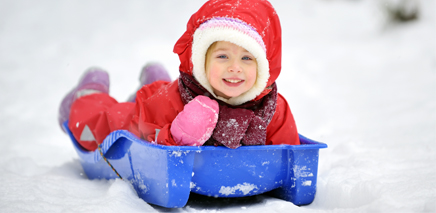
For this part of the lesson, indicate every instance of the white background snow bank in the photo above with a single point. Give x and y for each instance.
(364, 87)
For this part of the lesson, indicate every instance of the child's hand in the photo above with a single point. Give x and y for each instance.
(195, 124)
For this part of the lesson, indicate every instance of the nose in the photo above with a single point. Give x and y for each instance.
(234, 66)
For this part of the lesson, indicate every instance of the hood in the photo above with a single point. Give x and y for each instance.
(254, 25)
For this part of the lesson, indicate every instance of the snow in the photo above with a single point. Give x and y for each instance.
(245, 188)
(363, 86)
(307, 183)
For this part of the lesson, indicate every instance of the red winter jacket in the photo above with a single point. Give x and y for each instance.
(159, 103)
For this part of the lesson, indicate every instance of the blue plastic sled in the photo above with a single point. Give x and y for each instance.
(165, 175)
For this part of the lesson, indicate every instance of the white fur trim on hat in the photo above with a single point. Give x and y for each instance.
(236, 32)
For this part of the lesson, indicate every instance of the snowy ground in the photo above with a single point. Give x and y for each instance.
(365, 87)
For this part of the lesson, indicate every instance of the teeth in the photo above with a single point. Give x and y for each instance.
(232, 80)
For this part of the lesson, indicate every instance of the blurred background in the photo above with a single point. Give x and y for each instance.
(359, 75)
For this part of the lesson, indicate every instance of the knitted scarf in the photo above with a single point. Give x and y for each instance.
(237, 125)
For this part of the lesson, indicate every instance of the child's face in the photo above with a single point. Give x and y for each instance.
(230, 69)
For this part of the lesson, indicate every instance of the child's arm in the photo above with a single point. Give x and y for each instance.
(160, 116)
(282, 128)
(157, 105)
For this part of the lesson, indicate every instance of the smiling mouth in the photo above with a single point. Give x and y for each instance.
(234, 81)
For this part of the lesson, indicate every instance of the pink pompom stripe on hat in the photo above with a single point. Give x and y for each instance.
(233, 24)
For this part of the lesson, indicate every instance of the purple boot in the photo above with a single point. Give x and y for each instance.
(92, 81)
(150, 73)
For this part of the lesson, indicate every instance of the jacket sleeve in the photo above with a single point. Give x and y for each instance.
(156, 107)
(282, 128)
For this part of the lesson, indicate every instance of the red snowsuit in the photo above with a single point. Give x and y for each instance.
(158, 104)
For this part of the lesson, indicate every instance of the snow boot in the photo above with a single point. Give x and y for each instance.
(94, 80)
(150, 73)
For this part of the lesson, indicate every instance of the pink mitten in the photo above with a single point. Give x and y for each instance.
(194, 125)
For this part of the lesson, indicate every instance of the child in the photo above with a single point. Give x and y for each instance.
(230, 57)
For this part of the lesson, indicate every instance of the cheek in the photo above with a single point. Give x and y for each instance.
(214, 73)
(251, 76)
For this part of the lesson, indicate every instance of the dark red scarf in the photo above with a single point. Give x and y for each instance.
(237, 125)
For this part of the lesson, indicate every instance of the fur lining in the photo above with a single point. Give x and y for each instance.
(204, 38)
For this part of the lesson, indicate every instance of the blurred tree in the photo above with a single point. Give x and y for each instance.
(401, 10)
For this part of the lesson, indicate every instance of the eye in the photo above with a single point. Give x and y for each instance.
(222, 56)
(246, 58)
